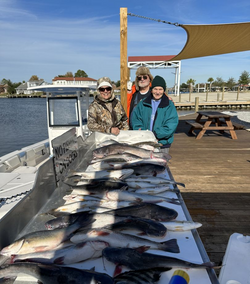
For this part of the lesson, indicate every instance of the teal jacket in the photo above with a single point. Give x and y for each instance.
(165, 122)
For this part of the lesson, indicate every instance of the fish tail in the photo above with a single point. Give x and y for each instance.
(170, 246)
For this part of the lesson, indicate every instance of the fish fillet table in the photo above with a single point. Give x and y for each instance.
(45, 196)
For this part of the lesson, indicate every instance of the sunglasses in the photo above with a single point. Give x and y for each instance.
(144, 77)
(103, 89)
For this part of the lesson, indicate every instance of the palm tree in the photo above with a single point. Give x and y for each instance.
(190, 83)
(210, 81)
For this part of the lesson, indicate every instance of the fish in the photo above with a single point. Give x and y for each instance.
(144, 276)
(52, 274)
(69, 255)
(40, 240)
(147, 210)
(115, 239)
(146, 227)
(148, 169)
(154, 190)
(122, 148)
(85, 178)
(66, 220)
(181, 226)
(137, 197)
(103, 165)
(125, 157)
(116, 174)
(135, 260)
(140, 184)
(109, 221)
(152, 180)
(98, 220)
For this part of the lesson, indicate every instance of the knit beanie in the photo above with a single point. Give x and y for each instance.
(158, 81)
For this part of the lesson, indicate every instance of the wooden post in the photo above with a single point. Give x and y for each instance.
(190, 92)
(123, 57)
(238, 93)
(222, 98)
(196, 104)
(206, 95)
(218, 97)
(179, 97)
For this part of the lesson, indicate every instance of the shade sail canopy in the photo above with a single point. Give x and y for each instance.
(206, 40)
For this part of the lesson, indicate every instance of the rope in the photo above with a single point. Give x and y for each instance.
(151, 19)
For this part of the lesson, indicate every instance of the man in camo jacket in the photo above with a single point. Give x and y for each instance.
(105, 113)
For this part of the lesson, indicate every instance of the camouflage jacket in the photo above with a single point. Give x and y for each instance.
(103, 115)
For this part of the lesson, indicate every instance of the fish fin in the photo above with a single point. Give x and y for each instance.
(103, 233)
(118, 270)
(170, 246)
(59, 260)
(142, 249)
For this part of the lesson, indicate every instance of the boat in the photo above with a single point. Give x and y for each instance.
(70, 148)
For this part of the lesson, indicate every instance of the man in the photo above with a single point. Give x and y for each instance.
(157, 113)
(140, 90)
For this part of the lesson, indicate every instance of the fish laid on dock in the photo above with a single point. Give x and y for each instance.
(40, 240)
(139, 197)
(112, 174)
(69, 255)
(153, 180)
(145, 276)
(133, 259)
(103, 165)
(144, 226)
(52, 274)
(147, 210)
(123, 148)
(115, 239)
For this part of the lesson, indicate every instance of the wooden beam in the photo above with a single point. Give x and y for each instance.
(123, 57)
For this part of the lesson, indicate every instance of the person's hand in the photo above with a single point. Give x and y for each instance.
(115, 130)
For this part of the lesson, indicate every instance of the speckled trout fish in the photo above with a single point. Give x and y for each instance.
(50, 274)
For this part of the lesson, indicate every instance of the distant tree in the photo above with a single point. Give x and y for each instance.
(118, 83)
(191, 83)
(69, 74)
(244, 78)
(230, 83)
(11, 86)
(34, 78)
(81, 73)
(219, 82)
(4, 81)
(210, 81)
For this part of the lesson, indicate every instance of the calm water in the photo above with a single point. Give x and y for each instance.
(22, 122)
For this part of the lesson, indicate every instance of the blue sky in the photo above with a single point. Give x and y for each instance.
(51, 37)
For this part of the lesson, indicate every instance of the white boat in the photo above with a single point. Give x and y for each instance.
(18, 169)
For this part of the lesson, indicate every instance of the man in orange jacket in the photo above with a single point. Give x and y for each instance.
(140, 90)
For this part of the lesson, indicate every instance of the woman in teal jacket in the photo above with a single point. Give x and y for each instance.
(158, 114)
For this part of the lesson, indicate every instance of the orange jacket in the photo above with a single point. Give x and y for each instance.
(129, 98)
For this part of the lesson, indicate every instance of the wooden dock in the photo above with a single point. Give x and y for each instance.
(216, 172)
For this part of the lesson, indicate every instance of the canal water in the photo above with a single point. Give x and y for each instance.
(23, 122)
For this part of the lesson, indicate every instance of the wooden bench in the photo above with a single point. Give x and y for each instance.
(194, 125)
(238, 126)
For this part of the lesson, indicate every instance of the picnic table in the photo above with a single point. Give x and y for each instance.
(212, 120)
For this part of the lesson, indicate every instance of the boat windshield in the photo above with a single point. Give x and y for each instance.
(63, 111)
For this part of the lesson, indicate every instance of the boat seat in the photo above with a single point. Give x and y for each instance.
(13, 163)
